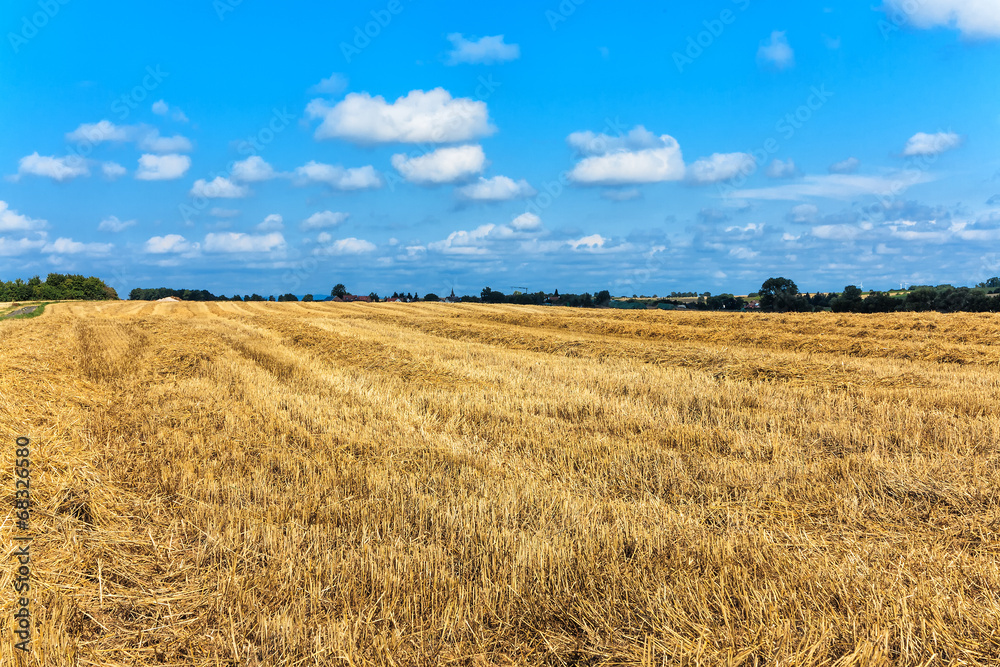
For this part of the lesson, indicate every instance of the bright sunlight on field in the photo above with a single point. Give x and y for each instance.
(305, 484)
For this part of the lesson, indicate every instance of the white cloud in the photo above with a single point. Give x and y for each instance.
(64, 246)
(15, 247)
(324, 219)
(334, 84)
(113, 224)
(161, 108)
(463, 242)
(485, 50)
(162, 167)
(848, 166)
(837, 232)
(498, 188)
(252, 170)
(743, 253)
(803, 213)
(975, 18)
(431, 116)
(219, 188)
(145, 137)
(526, 222)
(593, 143)
(337, 177)
(591, 242)
(57, 168)
(171, 243)
(112, 170)
(101, 131)
(444, 165)
(836, 186)
(776, 51)
(154, 143)
(721, 167)
(782, 169)
(349, 246)
(638, 157)
(272, 223)
(12, 221)
(324, 237)
(237, 242)
(922, 143)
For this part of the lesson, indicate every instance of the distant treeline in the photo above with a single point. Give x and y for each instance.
(775, 295)
(57, 287)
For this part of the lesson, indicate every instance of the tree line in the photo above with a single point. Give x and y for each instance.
(57, 287)
(782, 295)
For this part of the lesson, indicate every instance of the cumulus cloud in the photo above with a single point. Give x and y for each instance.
(591, 242)
(444, 165)
(145, 137)
(782, 169)
(974, 18)
(66, 246)
(15, 247)
(803, 213)
(498, 188)
(112, 170)
(237, 242)
(463, 242)
(337, 177)
(432, 117)
(218, 188)
(334, 84)
(113, 224)
(526, 222)
(272, 223)
(485, 50)
(57, 168)
(348, 246)
(171, 243)
(637, 157)
(324, 219)
(923, 143)
(721, 167)
(743, 253)
(595, 143)
(776, 51)
(848, 166)
(161, 108)
(252, 170)
(162, 167)
(12, 221)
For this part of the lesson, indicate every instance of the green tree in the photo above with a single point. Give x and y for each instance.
(849, 301)
(339, 290)
(307, 297)
(782, 295)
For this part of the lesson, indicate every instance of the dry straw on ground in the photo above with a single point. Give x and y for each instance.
(311, 484)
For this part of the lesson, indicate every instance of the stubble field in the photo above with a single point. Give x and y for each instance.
(390, 484)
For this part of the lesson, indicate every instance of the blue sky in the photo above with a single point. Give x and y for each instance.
(399, 145)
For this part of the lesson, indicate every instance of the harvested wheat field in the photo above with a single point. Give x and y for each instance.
(313, 484)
